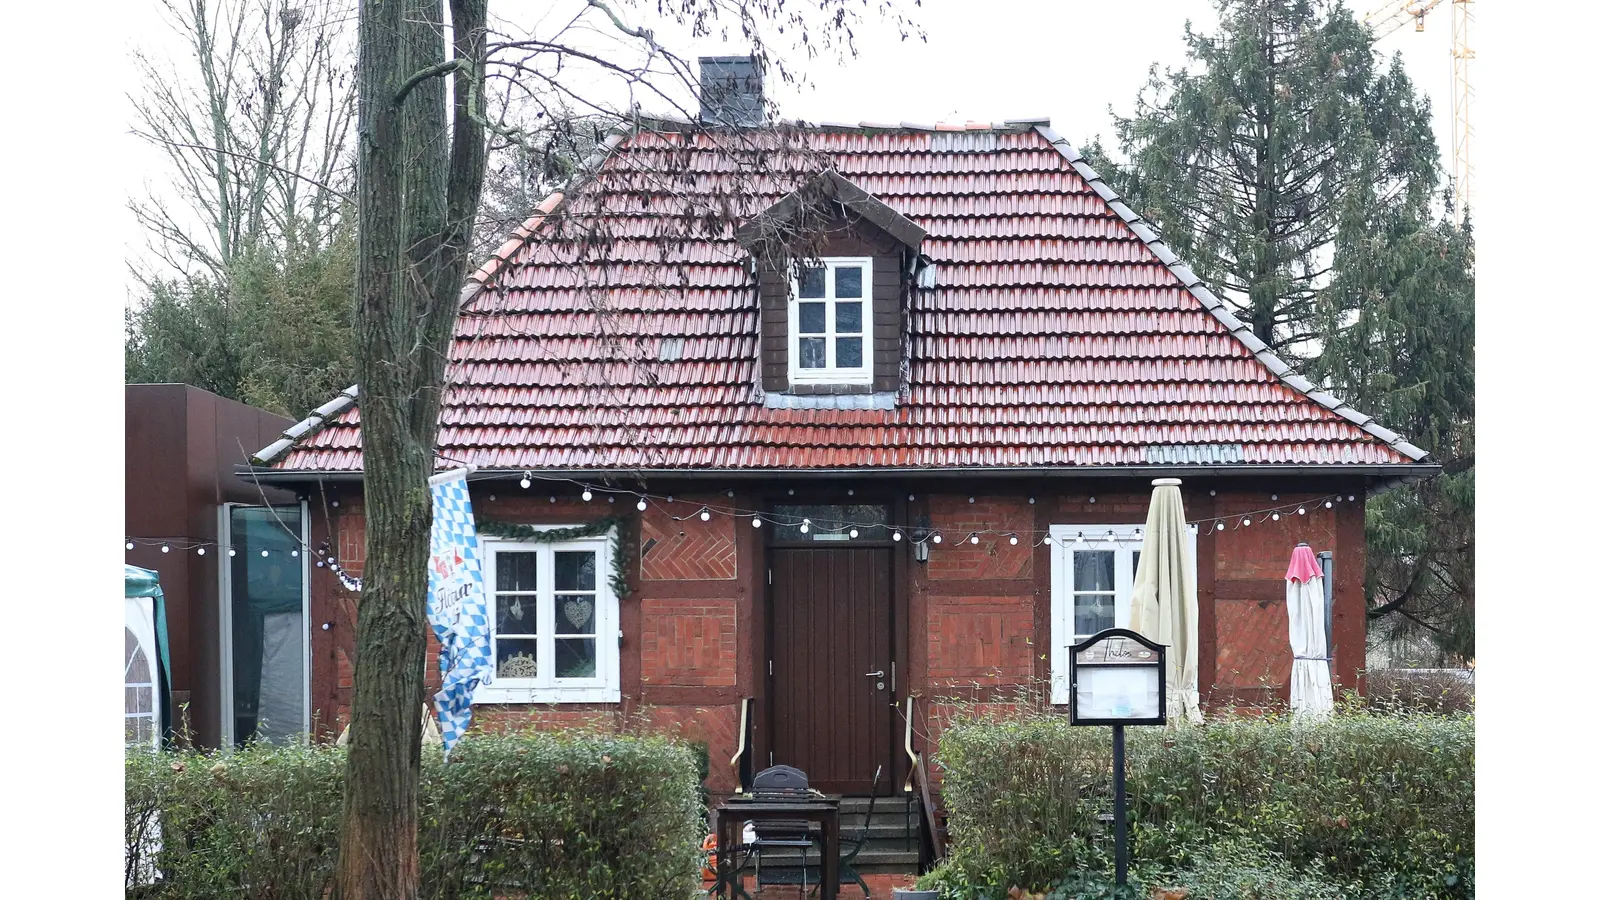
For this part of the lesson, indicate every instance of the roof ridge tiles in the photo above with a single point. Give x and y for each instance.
(1215, 307)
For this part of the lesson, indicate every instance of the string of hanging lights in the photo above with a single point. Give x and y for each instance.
(921, 534)
(642, 500)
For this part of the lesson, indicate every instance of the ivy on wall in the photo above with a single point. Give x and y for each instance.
(620, 558)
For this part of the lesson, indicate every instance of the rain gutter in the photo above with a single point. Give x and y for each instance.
(1387, 476)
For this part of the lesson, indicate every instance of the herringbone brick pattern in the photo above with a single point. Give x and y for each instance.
(993, 556)
(1253, 643)
(690, 550)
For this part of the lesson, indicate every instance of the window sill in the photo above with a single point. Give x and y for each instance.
(497, 694)
(853, 400)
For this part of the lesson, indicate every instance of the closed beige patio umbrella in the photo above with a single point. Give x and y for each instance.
(1164, 606)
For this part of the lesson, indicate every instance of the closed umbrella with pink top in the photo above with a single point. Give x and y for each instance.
(1310, 683)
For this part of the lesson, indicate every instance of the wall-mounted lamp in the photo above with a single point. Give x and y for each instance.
(920, 539)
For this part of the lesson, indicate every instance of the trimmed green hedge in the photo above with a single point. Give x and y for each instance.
(1381, 803)
(564, 814)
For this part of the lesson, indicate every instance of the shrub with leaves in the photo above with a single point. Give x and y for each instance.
(539, 814)
(1384, 801)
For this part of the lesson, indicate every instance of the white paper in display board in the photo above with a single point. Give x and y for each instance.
(1119, 692)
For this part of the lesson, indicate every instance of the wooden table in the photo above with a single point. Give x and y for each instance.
(823, 810)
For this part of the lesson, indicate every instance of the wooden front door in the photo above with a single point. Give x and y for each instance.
(831, 626)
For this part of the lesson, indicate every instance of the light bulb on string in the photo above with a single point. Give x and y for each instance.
(1222, 526)
(232, 552)
(200, 551)
(294, 553)
(705, 514)
(669, 498)
(755, 522)
(897, 534)
(850, 492)
(1274, 517)
(854, 533)
(130, 545)
(263, 553)
(1327, 504)
(1013, 540)
(1274, 496)
(1247, 521)
(587, 495)
(165, 549)
(526, 482)
(552, 498)
(805, 527)
(1351, 498)
(974, 537)
(1301, 511)
(1080, 537)
(1048, 540)
(938, 538)
(642, 504)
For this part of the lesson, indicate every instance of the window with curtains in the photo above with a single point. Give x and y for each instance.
(830, 322)
(1092, 568)
(555, 622)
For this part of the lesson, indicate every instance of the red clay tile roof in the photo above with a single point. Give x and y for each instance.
(1061, 332)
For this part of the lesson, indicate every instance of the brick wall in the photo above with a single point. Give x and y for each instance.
(675, 545)
(689, 642)
(983, 639)
(1253, 657)
(976, 616)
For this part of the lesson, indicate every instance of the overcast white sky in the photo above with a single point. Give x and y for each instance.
(990, 60)
(984, 60)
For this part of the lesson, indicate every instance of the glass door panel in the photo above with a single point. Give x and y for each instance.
(267, 626)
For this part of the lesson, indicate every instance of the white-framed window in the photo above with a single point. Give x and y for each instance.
(1091, 587)
(830, 322)
(555, 622)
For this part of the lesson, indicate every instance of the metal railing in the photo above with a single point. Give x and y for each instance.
(742, 763)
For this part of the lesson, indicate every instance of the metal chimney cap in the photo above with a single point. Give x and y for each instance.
(731, 91)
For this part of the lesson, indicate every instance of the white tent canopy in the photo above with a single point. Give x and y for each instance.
(145, 664)
(1310, 683)
(1165, 608)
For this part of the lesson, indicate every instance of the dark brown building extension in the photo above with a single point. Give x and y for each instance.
(184, 447)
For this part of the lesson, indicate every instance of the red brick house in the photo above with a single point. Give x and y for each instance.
(985, 348)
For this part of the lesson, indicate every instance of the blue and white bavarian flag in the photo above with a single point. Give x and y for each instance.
(457, 606)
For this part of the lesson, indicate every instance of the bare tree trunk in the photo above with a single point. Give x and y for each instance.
(417, 194)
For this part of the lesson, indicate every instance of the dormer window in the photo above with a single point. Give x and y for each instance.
(830, 322)
(833, 267)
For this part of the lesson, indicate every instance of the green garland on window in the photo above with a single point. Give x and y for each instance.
(620, 558)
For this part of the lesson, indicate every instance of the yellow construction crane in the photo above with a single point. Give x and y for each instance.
(1389, 18)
